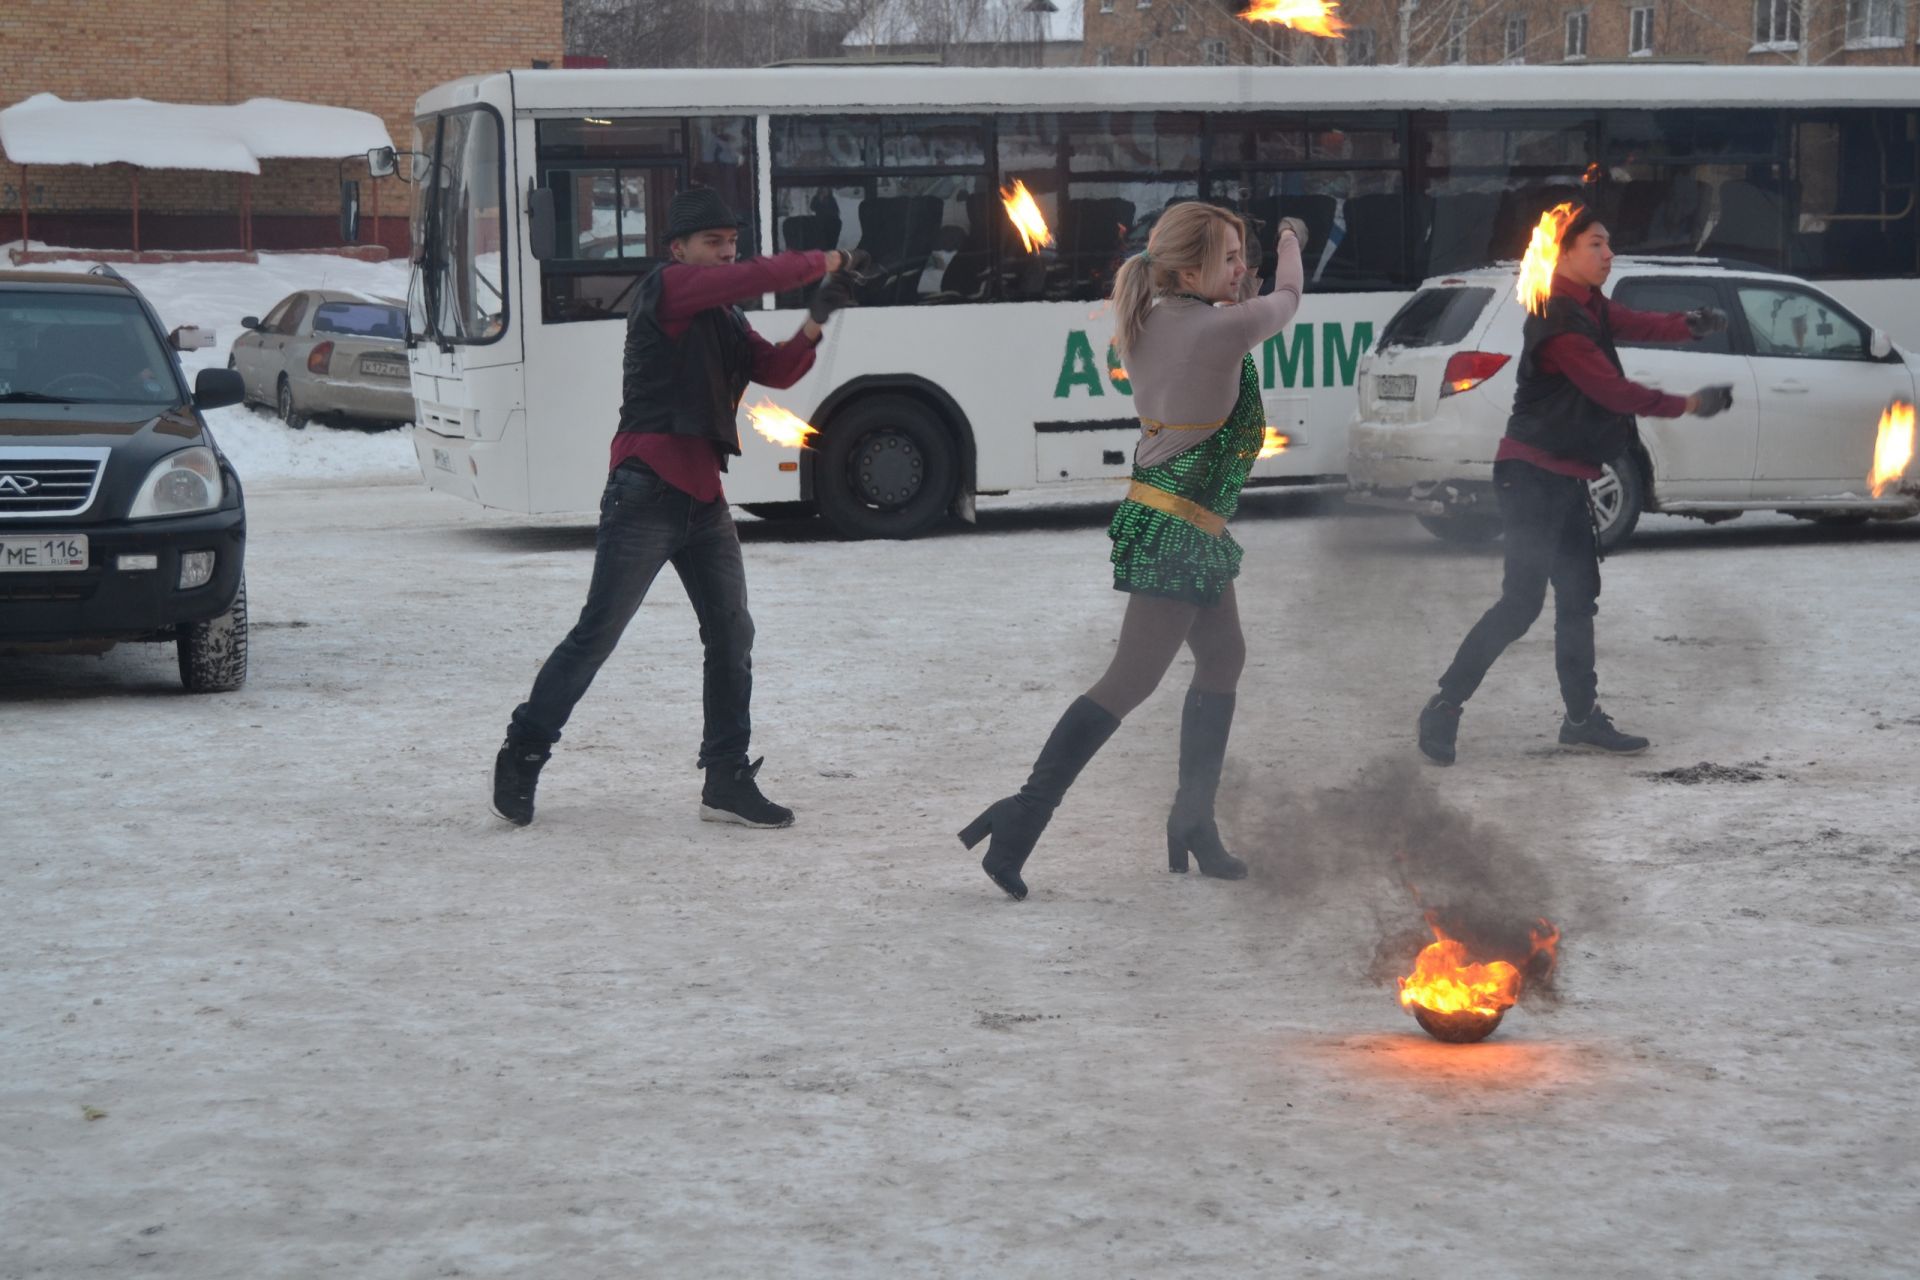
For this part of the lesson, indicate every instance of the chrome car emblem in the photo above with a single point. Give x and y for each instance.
(18, 484)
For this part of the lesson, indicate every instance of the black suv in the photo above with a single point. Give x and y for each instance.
(120, 519)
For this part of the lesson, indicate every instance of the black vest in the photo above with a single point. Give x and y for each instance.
(690, 386)
(1552, 414)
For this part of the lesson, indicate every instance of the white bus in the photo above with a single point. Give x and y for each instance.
(975, 366)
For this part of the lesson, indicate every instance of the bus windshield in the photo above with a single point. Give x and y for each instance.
(458, 293)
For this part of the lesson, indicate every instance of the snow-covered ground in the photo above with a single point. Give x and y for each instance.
(214, 296)
(282, 999)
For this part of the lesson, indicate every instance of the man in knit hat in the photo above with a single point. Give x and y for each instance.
(690, 354)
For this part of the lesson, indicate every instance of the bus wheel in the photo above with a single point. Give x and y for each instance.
(887, 469)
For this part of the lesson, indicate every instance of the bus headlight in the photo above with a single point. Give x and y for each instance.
(180, 484)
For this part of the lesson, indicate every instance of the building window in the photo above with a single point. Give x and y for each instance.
(1103, 57)
(1146, 4)
(1516, 38)
(1776, 24)
(1456, 39)
(1106, 6)
(1577, 35)
(1180, 17)
(1213, 53)
(1876, 24)
(1140, 55)
(1359, 49)
(1640, 32)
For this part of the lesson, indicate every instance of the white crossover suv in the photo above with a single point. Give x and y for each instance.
(1810, 382)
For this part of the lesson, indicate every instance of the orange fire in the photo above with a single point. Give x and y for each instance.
(783, 427)
(1592, 174)
(1026, 215)
(1893, 448)
(1315, 17)
(1274, 443)
(1446, 981)
(1543, 252)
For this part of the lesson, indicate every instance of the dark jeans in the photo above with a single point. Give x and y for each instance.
(1549, 539)
(646, 523)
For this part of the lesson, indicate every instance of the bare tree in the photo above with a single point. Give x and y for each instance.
(710, 33)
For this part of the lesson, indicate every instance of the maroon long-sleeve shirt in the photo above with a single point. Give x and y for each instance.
(689, 463)
(1581, 361)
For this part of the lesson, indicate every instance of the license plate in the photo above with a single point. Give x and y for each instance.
(384, 368)
(1393, 386)
(53, 553)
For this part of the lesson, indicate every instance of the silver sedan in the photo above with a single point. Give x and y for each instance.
(328, 351)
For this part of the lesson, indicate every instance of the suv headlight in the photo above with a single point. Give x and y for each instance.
(180, 484)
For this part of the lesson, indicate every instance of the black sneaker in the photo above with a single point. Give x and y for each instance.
(731, 795)
(1596, 733)
(516, 772)
(1439, 725)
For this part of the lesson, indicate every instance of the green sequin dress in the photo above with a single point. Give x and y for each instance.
(1158, 554)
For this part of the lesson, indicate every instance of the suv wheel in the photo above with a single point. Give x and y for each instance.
(288, 413)
(1619, 496)
(213, 654)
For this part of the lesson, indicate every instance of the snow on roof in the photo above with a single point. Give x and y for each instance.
(45, 129)
(893, 23)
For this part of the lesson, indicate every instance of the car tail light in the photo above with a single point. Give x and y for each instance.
(1468, 369)
(322, 356)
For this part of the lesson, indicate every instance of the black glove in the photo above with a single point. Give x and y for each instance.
(1712, 400)
(833, 293)
(855, 263)
(1702, 321)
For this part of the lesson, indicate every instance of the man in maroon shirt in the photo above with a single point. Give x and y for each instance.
(690, 354)
(1573, 409)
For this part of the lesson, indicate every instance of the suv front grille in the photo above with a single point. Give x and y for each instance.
(43, 482)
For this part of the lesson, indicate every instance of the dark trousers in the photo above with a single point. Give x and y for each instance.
(1549, 539)
(646, 523)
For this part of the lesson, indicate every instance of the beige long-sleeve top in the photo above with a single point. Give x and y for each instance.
(1185, 366)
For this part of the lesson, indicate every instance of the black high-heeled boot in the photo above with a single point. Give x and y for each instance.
(1204, 723)
(1016, 822)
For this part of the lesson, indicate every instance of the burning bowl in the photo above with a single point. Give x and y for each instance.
(1464, 1026)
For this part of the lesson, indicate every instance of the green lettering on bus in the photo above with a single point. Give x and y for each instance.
(1336, 354)
(1117, 372)
(1077, 367)
(1295, 362)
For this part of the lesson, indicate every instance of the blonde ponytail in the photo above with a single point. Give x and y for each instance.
(1189, 236)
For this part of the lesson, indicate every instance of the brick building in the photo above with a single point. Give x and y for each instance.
(1436, 32)
(373, 55)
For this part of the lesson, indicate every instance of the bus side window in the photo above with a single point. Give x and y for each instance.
(1859, 201)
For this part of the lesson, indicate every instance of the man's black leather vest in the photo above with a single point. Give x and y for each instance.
(1552, 414)
(690, 386)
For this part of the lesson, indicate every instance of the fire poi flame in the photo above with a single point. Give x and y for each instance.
(1274, 443)
(1026, 215)
(782, 426)
(1892, 448)
(1460, 1001)
(1543, 253)
(1315, 17)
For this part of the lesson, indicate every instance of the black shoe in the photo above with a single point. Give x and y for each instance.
(1205, 721)
(1016, 822)
(1596, 733)
(516, 772)
(731, 795)
(1439, 726)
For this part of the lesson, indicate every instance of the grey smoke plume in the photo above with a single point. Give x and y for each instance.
(1391, 847)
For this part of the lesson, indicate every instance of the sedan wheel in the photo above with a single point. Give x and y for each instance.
(288, 413)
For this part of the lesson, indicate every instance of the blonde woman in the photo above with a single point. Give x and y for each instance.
(1185, 330)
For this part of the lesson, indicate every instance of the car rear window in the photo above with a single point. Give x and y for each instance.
(1437, 317)
(96, 347)
(360, 320)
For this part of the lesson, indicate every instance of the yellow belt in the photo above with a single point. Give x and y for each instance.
(1208, 522)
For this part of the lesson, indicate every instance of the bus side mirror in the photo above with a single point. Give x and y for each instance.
(1879, 346)
(380, 162)
(540, 224)
(349, 212)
